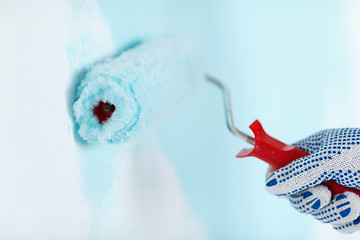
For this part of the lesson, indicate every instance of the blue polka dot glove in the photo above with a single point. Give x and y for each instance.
(334, 155)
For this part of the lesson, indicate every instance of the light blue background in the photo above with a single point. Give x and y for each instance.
(279, 59)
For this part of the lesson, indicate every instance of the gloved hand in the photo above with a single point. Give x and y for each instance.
(334, 154)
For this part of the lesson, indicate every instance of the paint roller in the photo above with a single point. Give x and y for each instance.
(126, 95)
(123, 96)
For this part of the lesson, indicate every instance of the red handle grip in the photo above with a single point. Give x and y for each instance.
(278, 155)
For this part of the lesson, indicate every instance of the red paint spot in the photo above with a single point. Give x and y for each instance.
(103, 111)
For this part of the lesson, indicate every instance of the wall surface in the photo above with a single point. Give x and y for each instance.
(294, 65)
(53, 186)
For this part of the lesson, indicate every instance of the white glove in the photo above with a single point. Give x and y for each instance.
(334, 154)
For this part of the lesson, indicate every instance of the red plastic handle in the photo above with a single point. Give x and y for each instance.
(278, 155)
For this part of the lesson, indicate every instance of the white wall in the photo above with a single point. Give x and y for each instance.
(51, 187)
